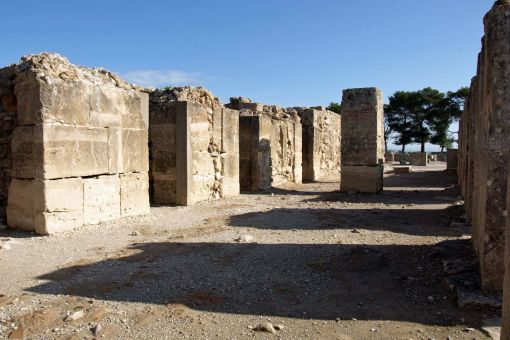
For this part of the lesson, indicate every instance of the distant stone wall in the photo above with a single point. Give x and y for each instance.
(321, 145)
(78, 145)
(362, 140)
(270, 147)
(418, 158)
(194, 147)
(485, 147)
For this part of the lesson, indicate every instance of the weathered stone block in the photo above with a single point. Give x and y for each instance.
(451, 160)
(46, 206)
(389, 157)
(362, 179)
(135, 150)
(101, 199)
(59, 151)
(321, 149)
(194, 147)
(418, 158)
(251, 106)
(134, 194)
(362, 127)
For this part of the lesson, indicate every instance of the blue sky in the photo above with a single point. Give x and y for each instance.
(285, 52)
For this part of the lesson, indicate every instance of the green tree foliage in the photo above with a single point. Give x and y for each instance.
(423, 116)
(399, 116)
(335, 107)
(444, 114)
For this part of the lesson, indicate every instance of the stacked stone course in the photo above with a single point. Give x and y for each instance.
(485, 147)
(362, 140)
(194, 146)
(74, 145)
(270, 145)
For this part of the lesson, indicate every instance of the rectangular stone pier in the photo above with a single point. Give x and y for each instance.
(321, 145)
(270, 145)
(484, 148)
(362, 140)
(194, 147)
(78, 149)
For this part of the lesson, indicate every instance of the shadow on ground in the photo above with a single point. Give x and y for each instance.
(419, 222)
(289, 280)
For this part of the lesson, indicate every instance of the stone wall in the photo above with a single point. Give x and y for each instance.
(194, 147)
(506, 285)
(418, 158)
(362, 140)
(270, 145)
(321, 147)
(74, 147)
(452, 160)
(485, 148)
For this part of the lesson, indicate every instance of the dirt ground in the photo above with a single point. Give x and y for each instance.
(321, 264)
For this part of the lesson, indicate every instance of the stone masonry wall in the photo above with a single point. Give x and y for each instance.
(485, 148)
(321, 145)
(78, 145)
(8, 122)
(270, 150)
(362, 140)
(194, 147)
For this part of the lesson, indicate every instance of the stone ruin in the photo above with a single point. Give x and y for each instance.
(451, 160)
(418, 158)
(270, 145)
(194, 146)
(484, 155)
(362, 140)
(321, 144)
(74, 146)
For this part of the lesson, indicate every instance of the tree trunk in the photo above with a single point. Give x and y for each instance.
(403, 148)
(385, 145)
(422, 147)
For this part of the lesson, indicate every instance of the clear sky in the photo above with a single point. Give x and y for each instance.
(285, 52)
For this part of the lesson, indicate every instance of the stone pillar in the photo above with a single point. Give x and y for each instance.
(321, 145)
(505, 331)
(418, 158)
(451, 160)
(362, 140)
(79, 151)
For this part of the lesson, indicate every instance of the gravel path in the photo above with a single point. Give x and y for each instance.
(315, 263)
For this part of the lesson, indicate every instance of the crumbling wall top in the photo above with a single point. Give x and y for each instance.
(198, 95)
(46, 66)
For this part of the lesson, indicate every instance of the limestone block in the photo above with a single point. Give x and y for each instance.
(389, 157)
(101, 199)
(144, 106)
(362, 127)
(135, 150)
(298, 155)
(402, 170)
(418, 158)
(78, 100)
(51, 100)
(451, 160)
(47, 151)
(363, 179)
(251, 106)
(115, 155)
(165, 191)
(134, 194)
(47, 207)
(505, 324)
